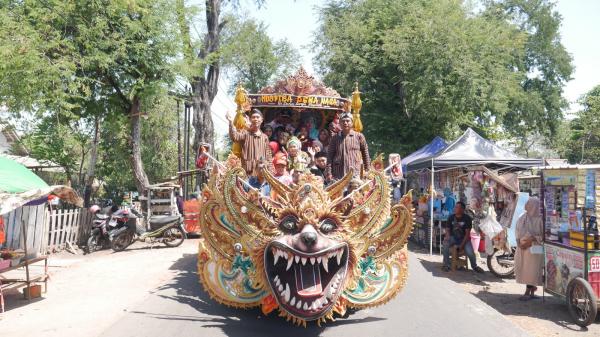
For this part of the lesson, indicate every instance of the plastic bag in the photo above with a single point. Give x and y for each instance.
(489, 226)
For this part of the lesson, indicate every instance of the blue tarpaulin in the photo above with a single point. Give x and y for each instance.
(436, 145)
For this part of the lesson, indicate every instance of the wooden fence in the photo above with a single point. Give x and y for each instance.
(47, 231)
(66, 226)
(34, 218)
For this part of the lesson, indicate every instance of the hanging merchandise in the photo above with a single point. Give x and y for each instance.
(489, 226)
(510, 203)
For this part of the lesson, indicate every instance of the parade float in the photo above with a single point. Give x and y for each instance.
(250, 253)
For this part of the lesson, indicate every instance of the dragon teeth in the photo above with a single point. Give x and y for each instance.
(305, 306)
(286, 294)
(319, 259)
(299, 304)
(289, 264)
(325, 263)
(276, 257)
(280, 288)
(303, 260)
(339, 256)
(297, 258)
(293, 302)
(312, 260)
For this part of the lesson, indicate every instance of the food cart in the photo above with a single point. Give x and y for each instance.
(571, 241)
(162, 200)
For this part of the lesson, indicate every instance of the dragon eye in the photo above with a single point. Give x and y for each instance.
(289, 224)
(327, 226)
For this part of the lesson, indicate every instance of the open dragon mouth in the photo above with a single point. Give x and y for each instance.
(306, 285)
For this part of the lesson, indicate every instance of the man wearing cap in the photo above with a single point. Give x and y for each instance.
(347, 151)
(255, 144)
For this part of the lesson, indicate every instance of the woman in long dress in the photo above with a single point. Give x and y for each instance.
(529, 231)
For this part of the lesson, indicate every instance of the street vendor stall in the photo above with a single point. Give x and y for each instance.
(22, 232)
(448, 168)
(571, 239)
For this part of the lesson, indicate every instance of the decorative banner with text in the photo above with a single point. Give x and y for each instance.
(293, 101)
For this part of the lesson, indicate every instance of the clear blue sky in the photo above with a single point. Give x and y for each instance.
(296, 21)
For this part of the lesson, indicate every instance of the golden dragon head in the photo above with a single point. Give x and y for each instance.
(307, 250)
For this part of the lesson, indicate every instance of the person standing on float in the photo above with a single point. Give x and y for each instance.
(255, 145)
(347, 151)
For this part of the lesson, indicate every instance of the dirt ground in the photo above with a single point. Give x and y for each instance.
(547, 316)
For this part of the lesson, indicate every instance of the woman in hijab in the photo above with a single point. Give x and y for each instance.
(529, 231)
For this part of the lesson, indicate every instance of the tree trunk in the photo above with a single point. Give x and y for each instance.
(91, 170)
(205, 86)
(139, 175)
(203, 123)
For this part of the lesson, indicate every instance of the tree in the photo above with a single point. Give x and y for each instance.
(202, 65)
(253, 59)
(425, 68)
(538, 109)
(77, 59)
(63, 142)
(579, 140)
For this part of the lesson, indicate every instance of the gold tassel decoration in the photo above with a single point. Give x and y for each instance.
(356, 106)
(241, 99)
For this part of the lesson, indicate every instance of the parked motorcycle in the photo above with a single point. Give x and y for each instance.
(502, 263)
(108, 219)
(99, 234)
(165, 229)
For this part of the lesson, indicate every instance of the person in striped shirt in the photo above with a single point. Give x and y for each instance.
(255, 145)
(347, 151)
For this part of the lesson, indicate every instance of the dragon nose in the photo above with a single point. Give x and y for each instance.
(309, 238)
(308, 235)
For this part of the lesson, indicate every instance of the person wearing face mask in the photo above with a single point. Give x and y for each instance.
(529, 231)
(347, 151)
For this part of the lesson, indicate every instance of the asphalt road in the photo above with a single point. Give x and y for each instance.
(428, 306)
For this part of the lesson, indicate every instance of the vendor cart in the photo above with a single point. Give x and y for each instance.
(571, 241)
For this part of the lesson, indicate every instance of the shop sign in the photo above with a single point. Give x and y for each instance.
(293, 101)
(560, 177)
(595, 264)
(562, 265)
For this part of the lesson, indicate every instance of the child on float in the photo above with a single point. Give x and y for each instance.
(298, 160)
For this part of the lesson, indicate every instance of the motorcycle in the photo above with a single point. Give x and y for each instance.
(166, 229)
(99, 238)
(502, 263)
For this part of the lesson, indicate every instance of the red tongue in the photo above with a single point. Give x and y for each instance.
(308, 279)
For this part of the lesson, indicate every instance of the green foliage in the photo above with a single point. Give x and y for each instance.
(159, 139)
(429, 68)
(74, 59)
(545, 62)
(253, 58)
(579, 139)
(64, 143)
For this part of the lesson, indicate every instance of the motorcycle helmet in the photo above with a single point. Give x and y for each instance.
(94, 208)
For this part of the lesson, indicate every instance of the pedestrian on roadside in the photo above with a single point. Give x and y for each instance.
(528, 257)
